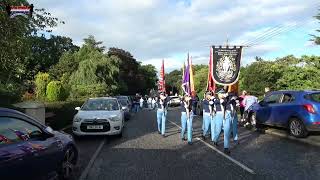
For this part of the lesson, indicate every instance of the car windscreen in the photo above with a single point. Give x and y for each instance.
(100, 105)
(313, 97)
(123, 102)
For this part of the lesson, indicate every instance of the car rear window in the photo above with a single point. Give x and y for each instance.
(313, 97)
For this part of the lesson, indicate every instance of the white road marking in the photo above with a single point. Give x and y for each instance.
(221, 153)
(84, 174)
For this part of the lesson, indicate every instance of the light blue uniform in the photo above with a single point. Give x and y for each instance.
(160, 119)
(207, 122)
(189, 126)
(183, 124)
(226, 123)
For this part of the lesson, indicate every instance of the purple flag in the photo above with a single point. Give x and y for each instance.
(186, 80)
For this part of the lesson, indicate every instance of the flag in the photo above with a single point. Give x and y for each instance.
(162, 82)
(211, 86)
(234, 88)
(186, 80)
(191, 74)
(183, 70)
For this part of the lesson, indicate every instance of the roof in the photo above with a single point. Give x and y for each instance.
(103, 98)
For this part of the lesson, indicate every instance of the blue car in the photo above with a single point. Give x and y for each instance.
(299, 111)
(30, 150)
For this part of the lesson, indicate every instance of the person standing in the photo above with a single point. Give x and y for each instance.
(153, 102)
(220, 121)
(242, 106)
(232, 101)
(141, 102)
(183, 118)
(149, 103)
(207, 113)
(248, 101)
(194, 102)
(162, 104)
(189, 117)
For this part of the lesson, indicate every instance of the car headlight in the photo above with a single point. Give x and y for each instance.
(76, 119)
(114, 119)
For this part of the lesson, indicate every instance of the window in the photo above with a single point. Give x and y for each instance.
(101, 105)
(274, 98)
(287, 98)
(313, 97)
(15, 130)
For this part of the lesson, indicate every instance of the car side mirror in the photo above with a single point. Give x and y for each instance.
(77, 108)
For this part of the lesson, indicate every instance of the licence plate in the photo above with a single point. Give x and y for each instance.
(95, 127)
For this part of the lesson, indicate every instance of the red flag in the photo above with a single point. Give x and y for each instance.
(162, 81)
(211, 85)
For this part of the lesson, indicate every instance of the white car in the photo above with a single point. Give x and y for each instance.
(99, 116)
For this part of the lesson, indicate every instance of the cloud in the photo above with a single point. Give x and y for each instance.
(153, 30)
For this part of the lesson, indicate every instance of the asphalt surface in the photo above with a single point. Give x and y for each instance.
(144, 154)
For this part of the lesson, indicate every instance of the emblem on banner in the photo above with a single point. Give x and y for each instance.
(226, 64)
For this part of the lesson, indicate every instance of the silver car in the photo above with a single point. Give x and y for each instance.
(99, 116)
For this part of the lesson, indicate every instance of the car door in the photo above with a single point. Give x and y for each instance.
(284, 110)
(273, 102)
(267, 108)
(37, 155)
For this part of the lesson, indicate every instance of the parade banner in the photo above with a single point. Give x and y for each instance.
(226, 64)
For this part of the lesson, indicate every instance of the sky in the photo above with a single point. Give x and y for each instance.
(152, 30)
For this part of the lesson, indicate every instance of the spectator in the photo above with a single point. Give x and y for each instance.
(266, 91)
(248, 102)
(242, 106)
(149, 102)
(153, 103)
(194, 102)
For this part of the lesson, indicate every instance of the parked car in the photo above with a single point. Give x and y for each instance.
(127, 98)
(174, 101)
(99, 116)
(299, 111)
(126, 107)
(30, 150)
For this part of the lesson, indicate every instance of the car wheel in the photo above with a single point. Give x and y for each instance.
(68, 164)
(297, 128)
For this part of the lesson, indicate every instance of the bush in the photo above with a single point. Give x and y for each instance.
(42, 80)
(93, 90)
(55, 91)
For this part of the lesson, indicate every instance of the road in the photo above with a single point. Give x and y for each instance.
(144, 154)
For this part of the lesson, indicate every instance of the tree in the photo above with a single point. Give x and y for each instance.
(46, 53)
(200, 80)
(129, 71)
(148, 77)
(92, 43)
(174, 81)
(41, 81)
(316, 39)
(14, 42)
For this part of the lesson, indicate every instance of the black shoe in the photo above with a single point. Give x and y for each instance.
(215, 143)
(184, 139)
(190, 143)
(163, 135)
(226, 151)
(236, 142)
(159, 132)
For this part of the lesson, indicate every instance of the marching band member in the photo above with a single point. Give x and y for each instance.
(183, 117)
(232, 101)
(207, 113)
(220, 121)
(162, 105)
(189, 113)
